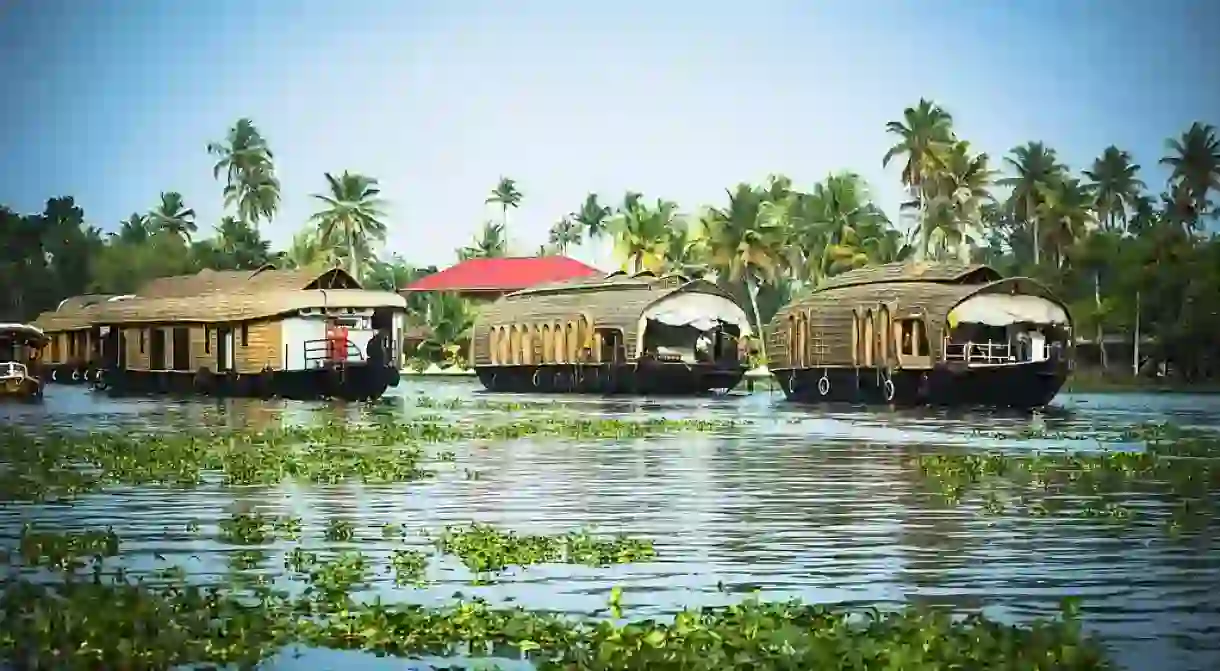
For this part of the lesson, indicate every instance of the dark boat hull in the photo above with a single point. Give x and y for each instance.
(652, 378)
(1020, 386)
(25, 389)
(355, 382)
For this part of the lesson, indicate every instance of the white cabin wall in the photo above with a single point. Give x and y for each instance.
(296, 332)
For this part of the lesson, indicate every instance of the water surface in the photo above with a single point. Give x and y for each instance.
(817, 504)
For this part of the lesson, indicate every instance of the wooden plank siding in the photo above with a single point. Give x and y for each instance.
(263, 348)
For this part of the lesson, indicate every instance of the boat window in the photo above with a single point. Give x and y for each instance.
(245, 334)
(207, 340)
(914, 340)
(612, 347)
(142, 341)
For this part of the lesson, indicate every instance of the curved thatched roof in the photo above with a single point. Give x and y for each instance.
(225, 307)
(919, 271)
(832, 307)
(616, 300)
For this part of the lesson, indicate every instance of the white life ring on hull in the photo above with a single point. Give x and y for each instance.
(888, 389)
(536, 374)
(54, 374)
(75, 376)
(824, 385)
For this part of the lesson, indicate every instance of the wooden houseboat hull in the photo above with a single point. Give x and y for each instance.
(350, 382)
(656, 379)
(70, 373)
(1021, 386)
(613, 334)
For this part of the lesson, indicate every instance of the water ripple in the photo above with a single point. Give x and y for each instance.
(816, 504)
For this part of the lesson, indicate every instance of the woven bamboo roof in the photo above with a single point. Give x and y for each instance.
(920, 271)
(267, 278)
(26, 332)
(225, 307)
(616, 280)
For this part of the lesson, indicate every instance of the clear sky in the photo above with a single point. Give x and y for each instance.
(114, 101)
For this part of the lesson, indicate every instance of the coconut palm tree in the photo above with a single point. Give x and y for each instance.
(134, 228)
(241, 247)
(1065, 207)
(505, 195)
(593, 217)
(305, 251)
(745, 241)
(489, 244)
(1195, 160)
(173, 216)
(256, 196)
(924, 132)
(1115, 185)
(353, 214)
(564, 233)
(246, 161)
(1034, 164)
(956, 193)
(642, 233)
(833, 224)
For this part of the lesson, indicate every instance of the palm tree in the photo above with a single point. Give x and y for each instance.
(240, 245)
(746, 241)
(134, 229)
(173, 216)
(1034, 164)
(564, 233)
(593, 218)
(506, 195)
(250, 180)
(1196, 165)
(256, 196)
(1065, 208)
(1115, 186)
(489, 244)
(955, 195)
(641, 232)
(834, 225)
(353, 214)
(925, 131)
(305, 251)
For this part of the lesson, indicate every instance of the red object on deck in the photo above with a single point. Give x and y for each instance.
(504, 274)
(336, 342)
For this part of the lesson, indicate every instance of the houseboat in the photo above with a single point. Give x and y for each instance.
(923, 334)
(610, 334)
(20, 369)
(291, 333)
(72, 351)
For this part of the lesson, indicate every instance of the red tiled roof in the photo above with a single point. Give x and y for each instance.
(504, 274)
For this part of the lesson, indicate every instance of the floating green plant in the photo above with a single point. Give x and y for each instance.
(64, 551)
(1183, 466)
(50, 465)
(485, 549)
(256, 528)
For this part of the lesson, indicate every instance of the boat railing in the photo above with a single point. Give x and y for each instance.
(321, 352)
(11, 370)
(988, 352)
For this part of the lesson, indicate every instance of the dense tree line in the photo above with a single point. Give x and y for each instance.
(1127, 256)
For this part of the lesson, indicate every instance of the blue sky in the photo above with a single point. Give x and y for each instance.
(115, 101)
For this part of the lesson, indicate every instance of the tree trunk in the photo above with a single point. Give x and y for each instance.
(1033, 221)
(752, 290)
(353, 264)
(1101, 336)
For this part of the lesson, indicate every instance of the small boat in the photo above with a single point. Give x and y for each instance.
(923, 334)
(299, 333)
(73, 350)
(20, 348)
(612, 334)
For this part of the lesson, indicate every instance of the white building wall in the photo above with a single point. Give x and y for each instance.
(296, 332)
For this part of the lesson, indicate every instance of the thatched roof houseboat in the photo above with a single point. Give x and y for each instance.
(923, 333)
(299, 333)
(615, 333)
(20, 368)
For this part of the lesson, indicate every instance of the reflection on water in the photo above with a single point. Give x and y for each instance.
(819, 504)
